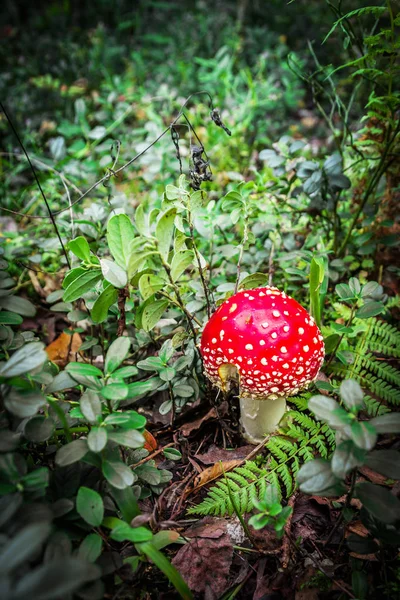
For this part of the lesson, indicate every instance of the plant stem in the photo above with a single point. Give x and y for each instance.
(181, 304)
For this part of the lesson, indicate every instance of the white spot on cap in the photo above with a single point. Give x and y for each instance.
(306, 348)
(264, 361)
(275, 389)
(286, 328)
(276, 313)
(262, 343)
(233, 308)
(285, 312)
(224, 318)
(249, 380)
(221, 334)
(301, 330)
(274, 358)
(230, 351)
(249, 347)
(274, 335)
(214, 340)
(315, 340)
(284, 349)
(239, 358)
(299, 371)
(285, 366)
(265, 325)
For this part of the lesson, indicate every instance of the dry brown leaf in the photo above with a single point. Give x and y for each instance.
(205, 561)
(214, 472)
(214, 454)
(64, 348)
(187, 428)
(151, 443)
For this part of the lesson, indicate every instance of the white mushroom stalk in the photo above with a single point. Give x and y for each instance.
(271, 343)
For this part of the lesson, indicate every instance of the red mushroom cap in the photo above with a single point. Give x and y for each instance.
(272, 341)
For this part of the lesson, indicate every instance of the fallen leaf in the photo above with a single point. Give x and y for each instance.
(373, 476)
(64, 348)
(214, 472)
(205, 561)
(151, 443)
(215, 454)
(187, 428)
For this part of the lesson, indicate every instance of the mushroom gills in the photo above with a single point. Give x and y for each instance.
(229, 376)
(260, 417)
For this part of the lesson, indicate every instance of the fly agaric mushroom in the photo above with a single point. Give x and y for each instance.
(271, 344)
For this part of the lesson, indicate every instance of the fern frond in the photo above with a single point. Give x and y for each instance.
(302, 440)
(375, 407)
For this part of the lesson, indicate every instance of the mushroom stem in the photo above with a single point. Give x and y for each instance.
(260, 417)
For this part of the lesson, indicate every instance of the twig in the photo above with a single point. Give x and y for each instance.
(151, 456)
(51, 215)
(127, 164)
(123, 294)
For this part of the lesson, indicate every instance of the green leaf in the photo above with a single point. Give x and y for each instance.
(9, 318)
(58, 578)
(164, 232)
(100, 308)
(25, 359)
(90, 406)
(97, 439)
(389, 423)
(343, 291)
(68, 279)
(370, 309)
(129, 418)
(80, 247)
(259, 521)
(126, 533)
(115, 391)
(118, 474)
(131, 439)
(386, 462)
(90, 548)
(83, 370)
(172, 454)
(316, 477)
(113, 273)
(169, 570)
(151, 363)
(345, 458)
(120, 233)
(18, 305)
(142, 221)
(138, 388)
(137, 259)
(253, 281)
(152, 313)
(331, 342)
(24, 404)
(89, 505)
(379, 501)
(180, 262)
(327, 410)
(39, 429)
(71, 453)
(352, 394)
(23, 545)
(127, 504)
(82, 284)
(125, 372)
(363, 435)
(317, 274)
(150, 284)
(117, 353)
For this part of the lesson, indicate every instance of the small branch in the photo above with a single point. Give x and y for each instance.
(151, 456)
(123, 294)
